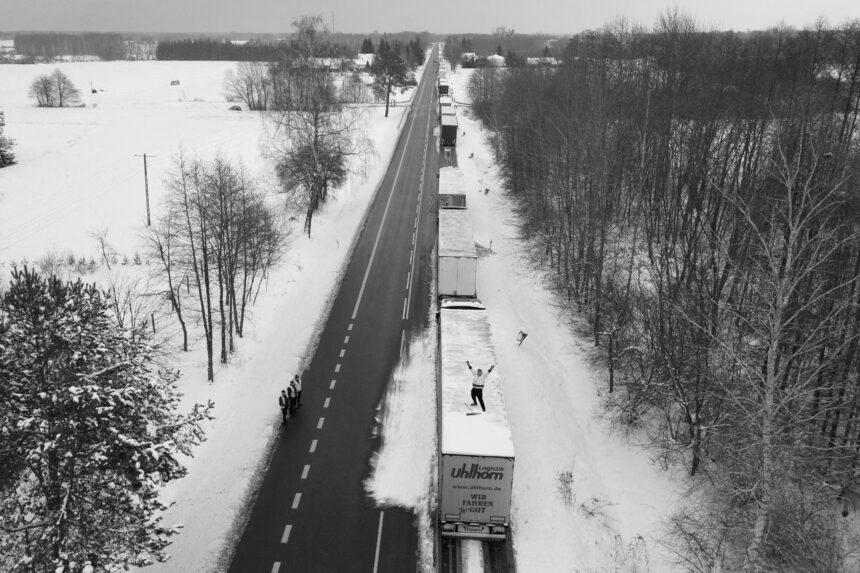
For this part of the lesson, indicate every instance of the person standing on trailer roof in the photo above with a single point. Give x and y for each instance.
(479, 378)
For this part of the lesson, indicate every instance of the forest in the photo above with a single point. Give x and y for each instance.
(47, 45)
(693, 197)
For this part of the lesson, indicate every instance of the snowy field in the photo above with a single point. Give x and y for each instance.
(77, 174)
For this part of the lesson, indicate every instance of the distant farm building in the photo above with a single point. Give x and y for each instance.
(496, 61)
(543, 61)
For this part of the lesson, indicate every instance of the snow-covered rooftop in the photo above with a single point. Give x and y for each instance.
(451, 180)
(455, 233)
(466, 429)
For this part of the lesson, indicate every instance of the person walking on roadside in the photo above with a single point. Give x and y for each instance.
(284, 403)
(291, 398)
(479, 378)
(297, 387)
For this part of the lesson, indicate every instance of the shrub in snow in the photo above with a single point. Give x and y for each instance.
(54, 90)
(89, 430)
(7, 157)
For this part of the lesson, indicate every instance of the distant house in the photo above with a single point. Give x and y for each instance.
(543, 61)
(496, 61)
(468, 57)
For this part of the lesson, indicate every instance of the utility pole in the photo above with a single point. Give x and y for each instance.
(146, 185)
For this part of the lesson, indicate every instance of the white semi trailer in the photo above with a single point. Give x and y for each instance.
(476, 453)
(457, 258)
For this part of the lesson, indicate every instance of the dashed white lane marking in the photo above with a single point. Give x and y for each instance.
(407, 281)
(320, 423)
(411, 256)
(346, 339)
(342, 352)
(337, 367)
(403, 312)
(349, 328)
(313, 446)
(305, 471)
(327, 402)
(331, 386)
(378, 543)
(296, 500)
(276, 566)
(402, 340)
(286, 536)
(384, 216)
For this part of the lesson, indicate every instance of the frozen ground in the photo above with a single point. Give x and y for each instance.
(77, 174)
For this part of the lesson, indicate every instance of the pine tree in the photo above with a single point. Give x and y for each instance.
(389, 72)
(367, 46)
(90, 430)
(7, 157)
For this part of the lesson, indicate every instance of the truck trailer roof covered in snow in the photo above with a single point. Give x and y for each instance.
(455, 234)
(451, 180)
(465, 335)
(445, 101)
(449, 120)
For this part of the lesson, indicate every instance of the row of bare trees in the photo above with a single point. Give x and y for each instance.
(696, 196)
(215, 245)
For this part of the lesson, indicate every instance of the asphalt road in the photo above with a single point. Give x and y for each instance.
(311, 512)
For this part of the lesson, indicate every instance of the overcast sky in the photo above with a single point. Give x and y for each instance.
(553, 16)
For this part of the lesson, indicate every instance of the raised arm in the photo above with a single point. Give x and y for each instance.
(468, 364)
(490, 369)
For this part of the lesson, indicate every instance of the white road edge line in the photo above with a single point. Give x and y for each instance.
(417, 220)
(385, 214)
(378, 543)
(305, 471)
(286, 536)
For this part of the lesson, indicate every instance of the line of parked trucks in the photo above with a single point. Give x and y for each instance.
(447, 113)
(476, 452)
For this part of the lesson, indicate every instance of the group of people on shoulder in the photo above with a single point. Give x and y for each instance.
(291, 398)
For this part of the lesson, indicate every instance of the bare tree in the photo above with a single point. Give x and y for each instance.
(42, 90)
(250, 84)
(164, 241)
(316, 133)
(65, 91)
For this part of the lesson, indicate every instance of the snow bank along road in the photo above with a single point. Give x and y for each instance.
(311, 512)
